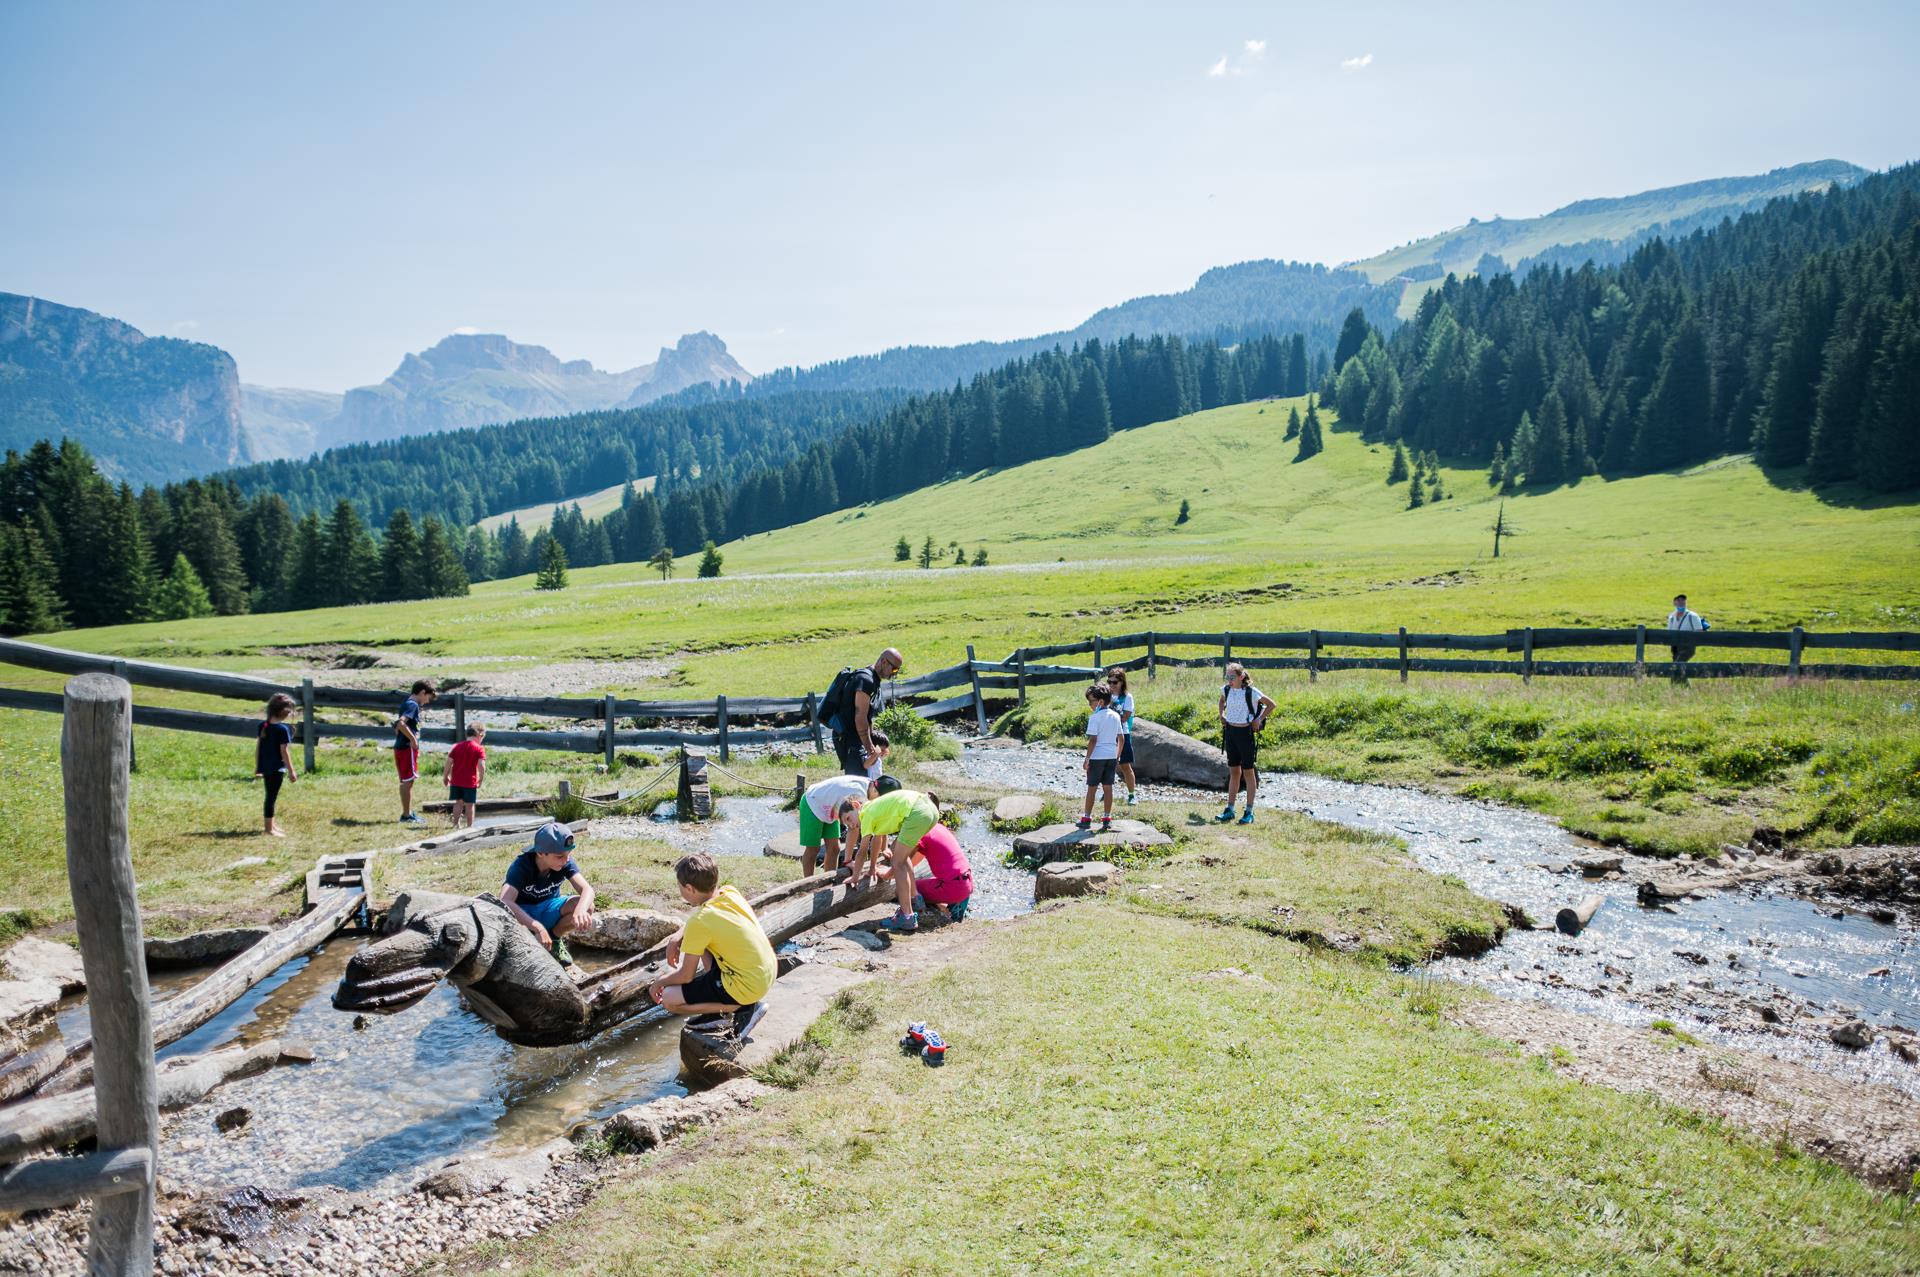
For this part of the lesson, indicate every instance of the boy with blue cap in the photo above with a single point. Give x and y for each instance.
(533, 890)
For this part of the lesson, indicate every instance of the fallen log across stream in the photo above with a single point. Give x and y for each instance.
(514, 984)
(65, 1119)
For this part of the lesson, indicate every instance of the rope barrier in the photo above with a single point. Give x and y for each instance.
(772, 789)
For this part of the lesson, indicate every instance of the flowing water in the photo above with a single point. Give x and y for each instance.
(1710, 962)
(379, 1104)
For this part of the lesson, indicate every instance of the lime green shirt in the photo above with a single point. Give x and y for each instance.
(887, 813)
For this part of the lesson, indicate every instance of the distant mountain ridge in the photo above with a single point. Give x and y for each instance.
(149, 408)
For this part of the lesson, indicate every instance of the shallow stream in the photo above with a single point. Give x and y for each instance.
(1708, 962)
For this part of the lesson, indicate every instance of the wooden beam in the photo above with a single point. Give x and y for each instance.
(94, 743)
(105, 1176)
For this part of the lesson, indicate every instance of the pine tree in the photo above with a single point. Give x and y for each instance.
(710, 560)
(1186, 512)
(959, 556)
(1397, 472)
(902, 551)
(1676, 423)
(29, 594)
(662, 562)
(180, 595)
(1416, 496)
(1353, 335)
(350, 564)
(1436, 491)
(400, 570)
(205, 536)
(1526, 440)
(442, 575)
(1548, 461)
(1311, 440)
(1090, 420)
(122, 585)
(926, 553)
(1889, 433)
(1497, 472)
(553, 565)
(980, 557)
(515, 550)
(1293, 424)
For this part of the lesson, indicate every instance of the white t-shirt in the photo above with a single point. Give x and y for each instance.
(1103, 726)
(824, 796)
(1684, 620)
(1236, 713)
(1123, 706)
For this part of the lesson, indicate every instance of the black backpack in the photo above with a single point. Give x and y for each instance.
(836, 704)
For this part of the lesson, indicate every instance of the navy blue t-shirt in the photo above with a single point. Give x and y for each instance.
(535, 884)
(411, 712)
(266, 753)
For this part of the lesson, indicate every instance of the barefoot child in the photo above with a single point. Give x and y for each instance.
(721, 959)
(949, 878)
(532, 892)
(1123, 706)
(466, 772)
(1103, 753)
(406, 745)
(905, 816)
(273, 755)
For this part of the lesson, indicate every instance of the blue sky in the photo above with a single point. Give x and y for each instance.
(321, 188)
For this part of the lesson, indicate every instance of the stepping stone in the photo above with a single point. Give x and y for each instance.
(1069, 842)
(1074, 878)
(24, 1001)
(783, 846)
(1017, 807)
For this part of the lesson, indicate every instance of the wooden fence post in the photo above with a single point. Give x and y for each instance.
(310, 730)
(607, 717)
(1313, 656)
(1152, 656)
(1099, 653)
(1526, 656)
(1022, 654)
(95, 745)
(1403, 654)
(1793, 652)
(799, 787)
(979, 702)
(813, 721)
(720, 713)
(566, 790)
(1226, 652)
(1639, 651)
(120, 672)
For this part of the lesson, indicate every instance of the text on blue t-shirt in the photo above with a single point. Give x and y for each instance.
(532, 882)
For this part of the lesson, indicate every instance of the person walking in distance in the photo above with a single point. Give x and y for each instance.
(1243, 712)
(1683, 619)
(848, 708)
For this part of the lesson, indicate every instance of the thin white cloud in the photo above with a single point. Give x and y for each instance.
(1360, 63)
(1219, 68)
(184, 325)
(1256, 48)
(466, 331)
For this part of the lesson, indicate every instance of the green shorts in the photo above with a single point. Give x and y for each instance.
(814, 831)
(915, 827)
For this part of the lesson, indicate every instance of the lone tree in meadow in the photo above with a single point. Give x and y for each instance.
(980, 557)
(1397, 472)
(180, 596)
(902, 551)
(710, 560)
(1293, 424)
(662, 562)
(553, 567)
(1186, 512)
(1311, 441)
(926, 553)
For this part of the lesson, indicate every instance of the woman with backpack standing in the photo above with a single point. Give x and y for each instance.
(1243, 712)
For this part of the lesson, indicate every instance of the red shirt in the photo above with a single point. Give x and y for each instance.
(463, 764)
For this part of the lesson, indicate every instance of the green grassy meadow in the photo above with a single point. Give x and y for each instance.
(593, 505)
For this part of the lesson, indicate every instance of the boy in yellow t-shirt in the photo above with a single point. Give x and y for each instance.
(722, 961)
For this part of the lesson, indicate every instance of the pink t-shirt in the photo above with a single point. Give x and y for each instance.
(945, 860)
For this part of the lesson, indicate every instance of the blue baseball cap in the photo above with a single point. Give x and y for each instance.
(551, 839)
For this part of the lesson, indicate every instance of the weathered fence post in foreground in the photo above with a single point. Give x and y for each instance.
(607, 719)
(979, 702)
(310, 730)
(95, 744)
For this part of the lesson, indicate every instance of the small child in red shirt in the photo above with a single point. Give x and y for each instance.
(466, 772)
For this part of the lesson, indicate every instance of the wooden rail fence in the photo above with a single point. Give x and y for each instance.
(796, 720)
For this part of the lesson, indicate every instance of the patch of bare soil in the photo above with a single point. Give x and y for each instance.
(1873, 1131)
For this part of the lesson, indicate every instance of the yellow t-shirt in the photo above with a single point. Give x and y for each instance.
(726, 928)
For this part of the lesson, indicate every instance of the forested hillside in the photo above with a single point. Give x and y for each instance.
(1793, 332)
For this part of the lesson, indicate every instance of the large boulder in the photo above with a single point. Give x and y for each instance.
(24, 1001)
(1069, 842)
(626, 930)
(32, 958)
(202, 947)
(1015, 808)
(1160, 753)
(1074, 878)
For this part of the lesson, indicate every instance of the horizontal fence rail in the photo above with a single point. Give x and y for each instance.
(1508, 652)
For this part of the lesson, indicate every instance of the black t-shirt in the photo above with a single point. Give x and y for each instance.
(861, 681)
(266, 753)
(535, 884)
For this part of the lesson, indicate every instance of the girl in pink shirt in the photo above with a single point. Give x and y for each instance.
(949, 878)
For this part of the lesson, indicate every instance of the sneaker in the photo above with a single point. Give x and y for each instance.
(412, 818)
(1246, 819)
(745, 1018)
(1224, 817)
(903, 922)
(958, 912)
(916, 1034)
(1085, 822)
(1130, 798)
(561, 954)
(1106, 824)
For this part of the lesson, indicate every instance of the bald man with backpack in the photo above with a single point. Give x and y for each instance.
(848, 708)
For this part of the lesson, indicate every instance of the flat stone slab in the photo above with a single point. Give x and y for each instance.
(626, 930)
(797, 1000)
(784, 846)
(1017, 807)
(31, 958)
(650, 1125)
(1074, 878)
(202, 946)
(1069, 842)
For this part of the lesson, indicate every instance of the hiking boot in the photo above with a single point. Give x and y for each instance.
(1246, 819)
(561, 954)
(903, 922)
(1224, 816)
(1085, 822)
(1106, 824)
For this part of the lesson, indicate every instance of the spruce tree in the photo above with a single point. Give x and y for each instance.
(442, 575)
(401, 576)
(29, 595)
(553, 565)
(1397, 472)
(515, 550)
(1526, 442)
(1186, 512)
(350, 564)
(1416, 495)
(662, 562)
(122, 586)
(1293, 424)
(926, 553)
(959, 556)
(902, 551)
(1311, 440)
(1497, 472)
(710, 560)
(980, 557)
(1548, 461)
(1353, 335)
(1676, 423)
(180, 595)
(1889, 432)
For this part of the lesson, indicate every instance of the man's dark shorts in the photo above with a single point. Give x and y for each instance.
(1239, 743)
(846, 746)
(706, 988)
(1100, 771)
